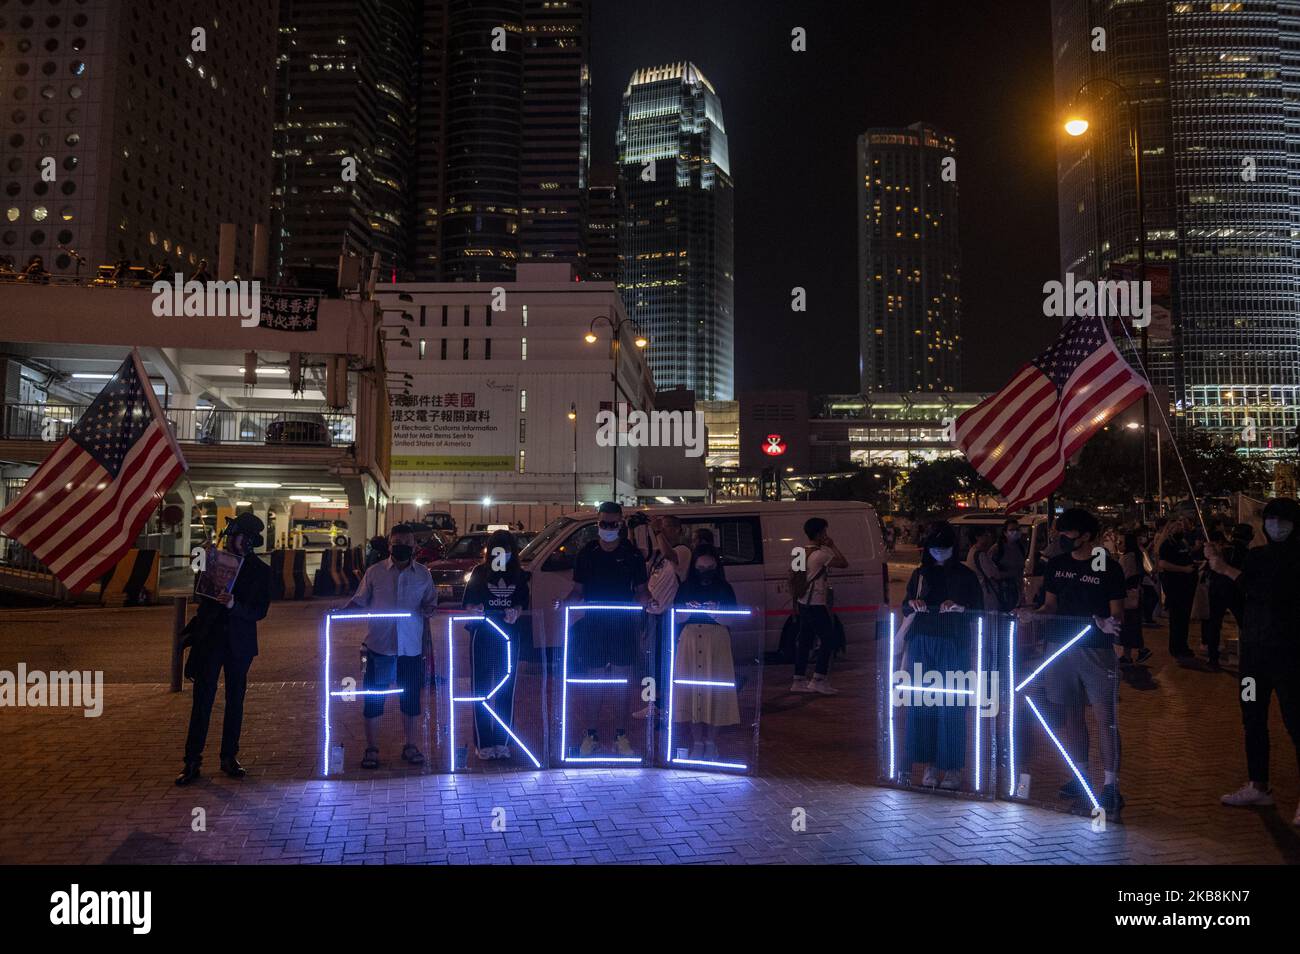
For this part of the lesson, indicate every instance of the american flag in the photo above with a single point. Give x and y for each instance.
(1021, 437)
(83, 508)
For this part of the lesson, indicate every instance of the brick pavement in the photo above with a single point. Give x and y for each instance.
(83, 790)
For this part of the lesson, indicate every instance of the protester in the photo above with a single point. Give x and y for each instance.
(1076, 589)
(497, 589)
(1130, 635)
(608, 570)
(1224, 594)
(393, 651)
(202, 275)
(1178, 579)
(1270, 643)
(223, 637)
(1009, 558)
(376, 551)
(939, 642)
(669, 563)
(35, 271)
(979, 560)
(813, 607)
(1149, 597)
(703, 655)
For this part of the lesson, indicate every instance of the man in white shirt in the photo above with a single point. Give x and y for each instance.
(394, 648)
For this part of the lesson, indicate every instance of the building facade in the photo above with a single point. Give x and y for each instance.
(482, 385)
(1216, 86)
(909, 260)
(469, 122)
(676, 228)
(124, 140)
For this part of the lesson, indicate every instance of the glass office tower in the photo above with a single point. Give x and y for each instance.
(1218, 86)
(676, 228)
(909, 261)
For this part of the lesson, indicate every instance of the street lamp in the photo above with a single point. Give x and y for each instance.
(573, 417)
(615, 349)
(1077, 125)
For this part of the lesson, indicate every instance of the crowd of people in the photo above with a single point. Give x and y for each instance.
(1114, 578)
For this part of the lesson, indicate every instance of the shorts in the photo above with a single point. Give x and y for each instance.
(1081, 674)
(380, 672)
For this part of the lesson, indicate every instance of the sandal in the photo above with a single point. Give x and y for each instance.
(370, 761)
(413, 755)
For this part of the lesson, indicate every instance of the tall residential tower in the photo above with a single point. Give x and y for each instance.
(909, 261)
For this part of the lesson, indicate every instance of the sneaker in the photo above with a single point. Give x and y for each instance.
(503, 752)
(801, 685)
(952, 781)
(647, 713)
(711, 753)
(622, 746)
(931, 777)
(822, 685)
(1111, 801)
(1249, 796)
(487, 753)
(590, 744)
(697, 751)
(1143, 655)
(1071, 789)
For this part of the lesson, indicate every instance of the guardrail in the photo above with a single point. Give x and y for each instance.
(52, 422)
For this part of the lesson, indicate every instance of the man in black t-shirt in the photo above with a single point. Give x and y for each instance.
(604, 644)
(1082, 586)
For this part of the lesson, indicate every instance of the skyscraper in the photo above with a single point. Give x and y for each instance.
(676, 228)
(153, 143)
(469, 123)
(1218, 88)
(602, 230)
(344, 134)
(909, 261)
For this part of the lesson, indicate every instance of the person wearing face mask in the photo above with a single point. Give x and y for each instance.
(608, 570)
(498, 589)
(1080, 585)
(940, 642)
(1223, 592)
(1268, 581)
(813, 606)
(703, 654)
(393, 650)
(1178, 575)
(224, 636)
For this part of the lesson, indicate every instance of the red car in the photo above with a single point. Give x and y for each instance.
(450, 573)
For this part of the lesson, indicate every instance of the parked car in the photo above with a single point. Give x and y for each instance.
(299, 427)
(451, 573)
(306, 534)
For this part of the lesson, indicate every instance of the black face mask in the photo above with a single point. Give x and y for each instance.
(706, 576)
(402, 552)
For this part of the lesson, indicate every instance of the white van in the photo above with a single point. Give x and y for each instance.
(755, 540)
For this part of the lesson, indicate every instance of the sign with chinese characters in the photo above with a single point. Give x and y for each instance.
(454, 423)
(289, 312)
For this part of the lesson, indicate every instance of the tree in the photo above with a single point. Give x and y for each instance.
(933, 486)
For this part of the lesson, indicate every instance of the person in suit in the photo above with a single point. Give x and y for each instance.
(223, 635)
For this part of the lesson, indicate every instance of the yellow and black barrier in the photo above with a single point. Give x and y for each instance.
(289, 575)
(331, 580)
(133, 581)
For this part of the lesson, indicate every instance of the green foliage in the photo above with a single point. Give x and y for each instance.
(934, 486)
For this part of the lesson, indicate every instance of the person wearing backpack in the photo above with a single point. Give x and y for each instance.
(812, 598)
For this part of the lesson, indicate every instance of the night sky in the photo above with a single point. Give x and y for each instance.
(981, 69)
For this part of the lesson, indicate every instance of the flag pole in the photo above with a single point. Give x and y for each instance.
(1178, 454)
